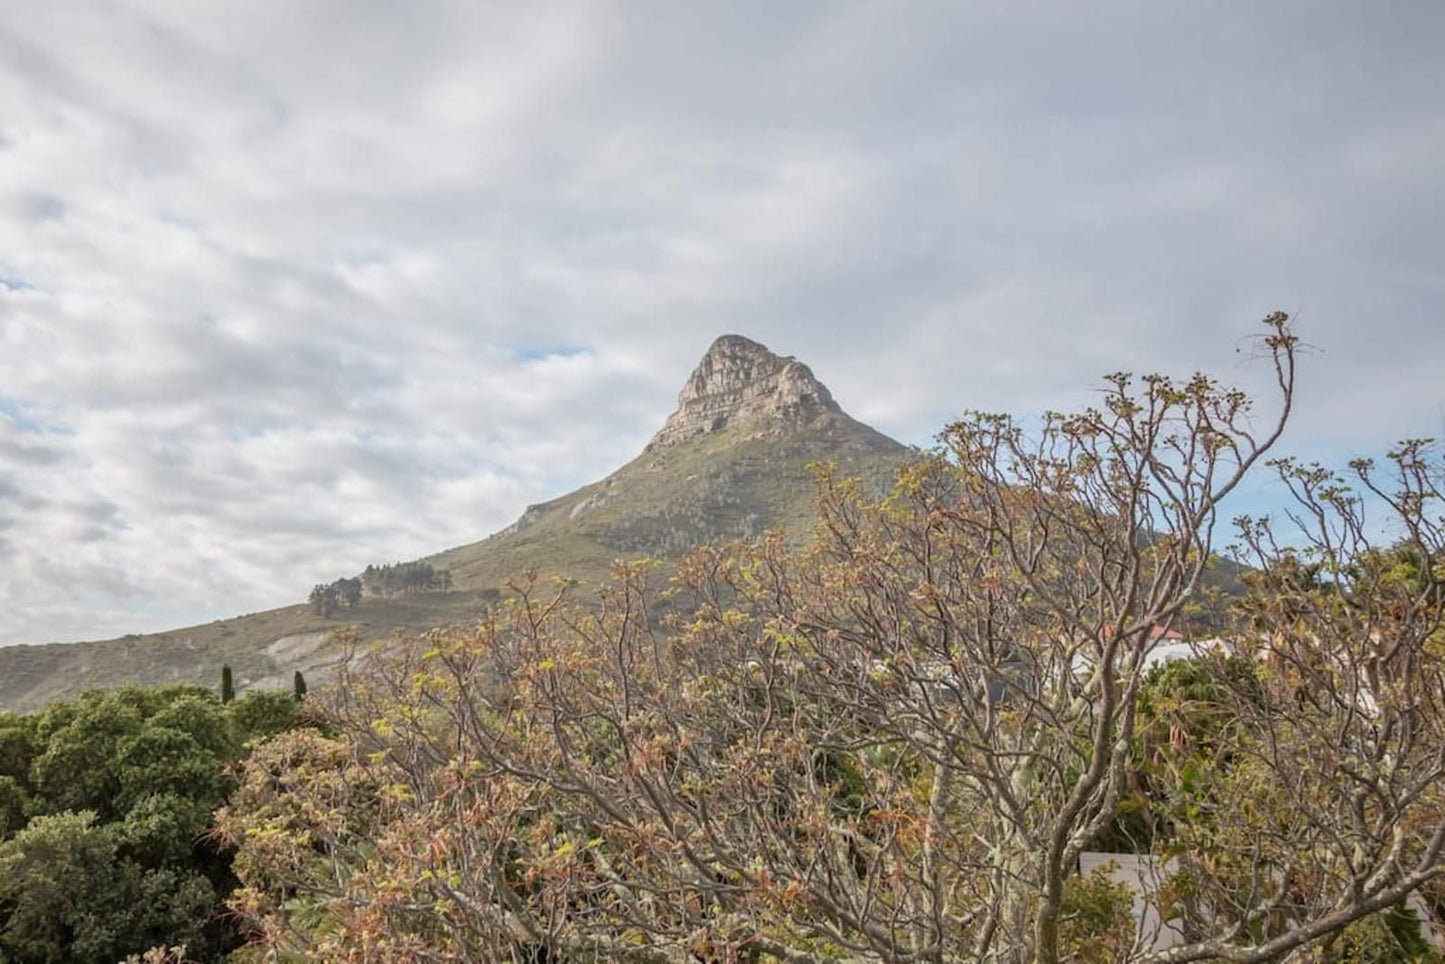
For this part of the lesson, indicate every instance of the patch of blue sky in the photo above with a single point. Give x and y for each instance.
(27, 419)
(246, 432)
(15, 284)
(529, 354)
(46, 207)
(179, 221)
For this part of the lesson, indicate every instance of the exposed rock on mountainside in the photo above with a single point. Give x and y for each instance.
(739, 384)
(732, 460)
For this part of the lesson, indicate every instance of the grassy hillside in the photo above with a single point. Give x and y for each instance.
(666, 501)
(669, 500)
(262, 648)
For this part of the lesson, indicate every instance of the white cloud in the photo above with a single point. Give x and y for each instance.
(287, 289)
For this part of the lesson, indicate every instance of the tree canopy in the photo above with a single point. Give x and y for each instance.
(106, 807)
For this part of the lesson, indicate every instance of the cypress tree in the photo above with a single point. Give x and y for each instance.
(228, 689)
(298, 685)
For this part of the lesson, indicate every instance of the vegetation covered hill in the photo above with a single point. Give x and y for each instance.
(731, 461)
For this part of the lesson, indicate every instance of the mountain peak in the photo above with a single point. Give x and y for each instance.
(739, 382)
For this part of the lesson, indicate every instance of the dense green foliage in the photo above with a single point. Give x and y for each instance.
(399, 579)
(404, 577)
(105, 810)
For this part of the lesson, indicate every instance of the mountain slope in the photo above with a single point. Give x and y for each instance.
(732, 460)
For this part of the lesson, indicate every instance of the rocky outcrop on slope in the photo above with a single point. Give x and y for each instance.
(739, 383)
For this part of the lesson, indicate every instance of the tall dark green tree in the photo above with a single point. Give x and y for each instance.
(348, 590)
(405, 578)
(298, 685)
(323, 599)
(228, 687)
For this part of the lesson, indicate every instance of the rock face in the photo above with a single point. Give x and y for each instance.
(739, 383)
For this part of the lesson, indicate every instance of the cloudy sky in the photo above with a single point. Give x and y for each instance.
(286, 288)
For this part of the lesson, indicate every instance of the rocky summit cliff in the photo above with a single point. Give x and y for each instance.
(741, 385)
(731, 461)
